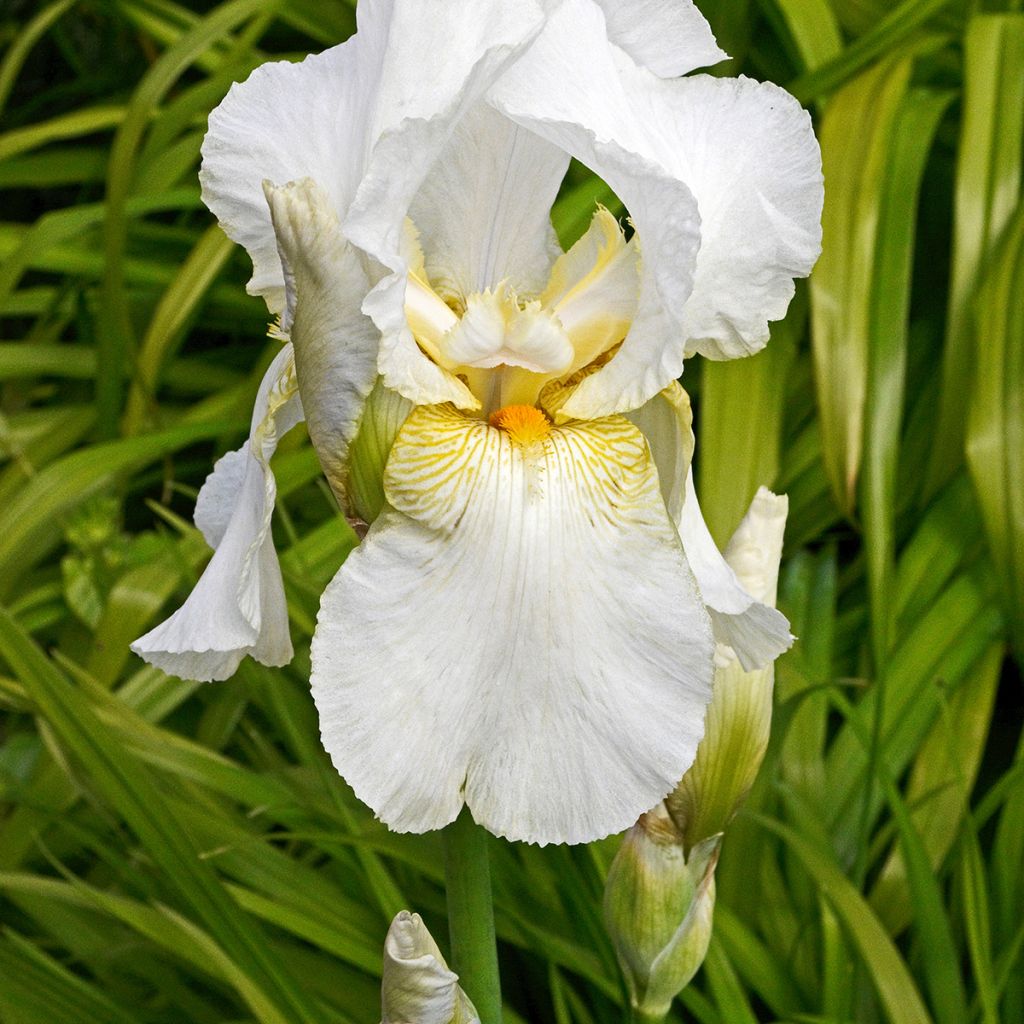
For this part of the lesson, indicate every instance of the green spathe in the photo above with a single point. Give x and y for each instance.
(658, 907)
(383, 415)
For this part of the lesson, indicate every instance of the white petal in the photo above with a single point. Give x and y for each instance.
(666, 421)
(756, 632)
(483, 211)
(594, 288)
(520, 631)
(748, 153)
(238, 606)
(336, 345)
(736, 157)
(285, 122)
(416, 985)
(670, 37)
(466, 45)
(351, 115)
(568, 88)
(755, 550)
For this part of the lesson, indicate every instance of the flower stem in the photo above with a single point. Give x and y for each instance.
(471, 916)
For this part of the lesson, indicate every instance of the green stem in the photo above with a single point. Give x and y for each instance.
(471, 916)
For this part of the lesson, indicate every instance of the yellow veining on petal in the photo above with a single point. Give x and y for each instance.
(442, 458)
(525, 424)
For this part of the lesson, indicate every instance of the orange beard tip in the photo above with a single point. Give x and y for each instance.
(523, 423)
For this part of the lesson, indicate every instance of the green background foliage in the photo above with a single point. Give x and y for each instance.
(177, 852)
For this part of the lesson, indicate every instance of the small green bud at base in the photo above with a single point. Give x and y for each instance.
(658, 908)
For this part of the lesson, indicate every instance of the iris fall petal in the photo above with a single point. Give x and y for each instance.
(493, 642)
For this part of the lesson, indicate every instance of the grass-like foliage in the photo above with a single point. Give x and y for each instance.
(175, 852)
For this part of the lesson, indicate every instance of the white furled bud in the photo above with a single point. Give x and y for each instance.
(416, 986)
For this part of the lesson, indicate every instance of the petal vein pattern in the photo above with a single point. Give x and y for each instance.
(520, 631)
(238, 606)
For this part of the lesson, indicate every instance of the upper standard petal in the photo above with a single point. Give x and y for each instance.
(747, 151)
(349, 117)
(483, 212)
(722, 179)
(567, 88)
(670, 37)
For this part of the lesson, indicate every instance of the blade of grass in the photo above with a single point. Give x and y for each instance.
(131, 791)
(18, 51)
(995, 427)
(888, 971)
(855, 137)
(987, 191)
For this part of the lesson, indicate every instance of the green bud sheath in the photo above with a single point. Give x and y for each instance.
(658, 907)
(383, 415)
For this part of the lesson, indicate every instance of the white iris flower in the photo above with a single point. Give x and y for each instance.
(522, 629)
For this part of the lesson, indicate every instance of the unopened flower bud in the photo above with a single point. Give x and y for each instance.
(417, 987)
(658, 906)
(738, 719)
(383, 415)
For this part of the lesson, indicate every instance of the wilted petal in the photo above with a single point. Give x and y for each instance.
(492, 640)
(416, 985)
(756, 632)
(335, 343)
(670, 37)
(238, 605)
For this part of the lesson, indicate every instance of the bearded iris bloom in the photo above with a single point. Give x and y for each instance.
(529, 625)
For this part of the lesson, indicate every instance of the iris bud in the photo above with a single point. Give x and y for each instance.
(738, 719)
(658, 906)
(417, 987)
